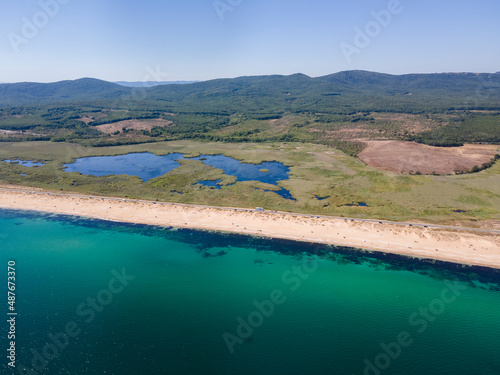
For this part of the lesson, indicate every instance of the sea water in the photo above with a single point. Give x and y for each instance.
(96, 297)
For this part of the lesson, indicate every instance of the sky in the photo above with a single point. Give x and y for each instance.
(169, 40)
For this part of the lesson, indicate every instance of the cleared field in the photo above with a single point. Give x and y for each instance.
(406, 157)
(132, 125)
(315, 171)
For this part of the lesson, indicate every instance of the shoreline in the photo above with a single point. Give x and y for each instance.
(466, 246)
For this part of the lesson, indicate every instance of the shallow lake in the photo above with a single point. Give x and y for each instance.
(147, 166)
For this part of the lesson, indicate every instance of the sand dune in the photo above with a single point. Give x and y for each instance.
(459, 246)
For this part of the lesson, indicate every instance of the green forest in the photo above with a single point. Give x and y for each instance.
(335, 110)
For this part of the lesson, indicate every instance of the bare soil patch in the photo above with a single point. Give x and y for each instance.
(16, 132)
(350, 134)
(397, 156)
(133, 125)
(87, 119)
(2, 131)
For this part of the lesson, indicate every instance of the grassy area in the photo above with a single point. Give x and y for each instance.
(315, 170)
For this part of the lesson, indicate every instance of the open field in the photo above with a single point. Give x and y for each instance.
(132, 125)
(315, 170)
(406, 157)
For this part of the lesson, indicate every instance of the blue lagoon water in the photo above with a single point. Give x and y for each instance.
(25, 163)
(211, 183)
(269, 172)
(143, 165)
(147, 166)
(180, 296)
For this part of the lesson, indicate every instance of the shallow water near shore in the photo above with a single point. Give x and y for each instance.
(179, 297)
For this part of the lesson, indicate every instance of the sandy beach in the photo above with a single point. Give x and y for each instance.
(458, 246)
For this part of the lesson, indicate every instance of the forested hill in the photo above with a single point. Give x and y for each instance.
(341, 92)
(344, 92)
(29, 93)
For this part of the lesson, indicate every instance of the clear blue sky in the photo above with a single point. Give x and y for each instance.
(125, 39)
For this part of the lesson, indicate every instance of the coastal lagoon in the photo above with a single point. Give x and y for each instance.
(152, 300)
(147, 166)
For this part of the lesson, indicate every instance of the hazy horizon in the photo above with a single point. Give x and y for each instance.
(188, 81)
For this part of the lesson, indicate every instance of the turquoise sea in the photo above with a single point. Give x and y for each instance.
(95, 297)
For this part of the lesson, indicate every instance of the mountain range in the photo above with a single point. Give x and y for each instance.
(339, 92)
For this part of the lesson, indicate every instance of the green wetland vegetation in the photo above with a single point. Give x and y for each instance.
(315, 171)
